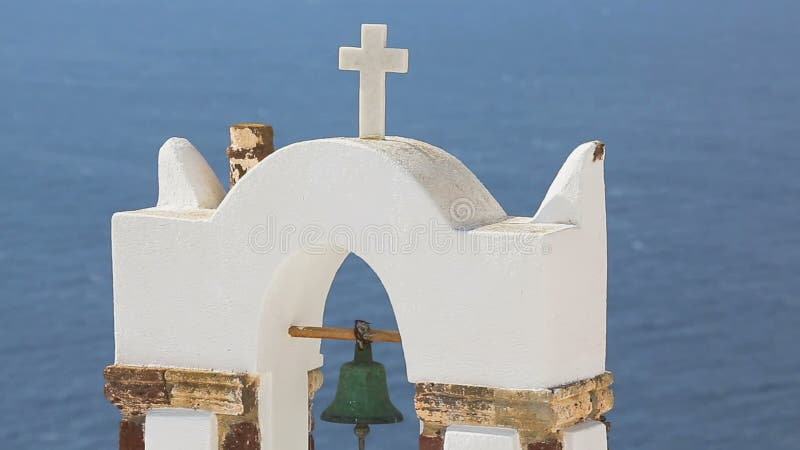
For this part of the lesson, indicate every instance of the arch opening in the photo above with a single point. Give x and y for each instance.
(299, 295)
(357, 293)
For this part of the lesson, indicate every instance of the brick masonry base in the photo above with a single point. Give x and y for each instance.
(131, 433)
(230, 396)
(540, 416)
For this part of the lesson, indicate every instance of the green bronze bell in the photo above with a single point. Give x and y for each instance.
(362, 396)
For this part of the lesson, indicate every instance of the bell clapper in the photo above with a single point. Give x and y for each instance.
(361, 430)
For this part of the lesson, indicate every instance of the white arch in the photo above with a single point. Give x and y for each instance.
(471, 288)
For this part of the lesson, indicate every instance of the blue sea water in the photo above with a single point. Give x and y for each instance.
(698, 103)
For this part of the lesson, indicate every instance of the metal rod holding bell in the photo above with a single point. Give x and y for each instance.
(362, 395)
(343, 334)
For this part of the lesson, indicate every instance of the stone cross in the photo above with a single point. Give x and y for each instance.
(373, 60)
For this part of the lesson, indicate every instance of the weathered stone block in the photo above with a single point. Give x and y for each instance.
(539, 415)
(134, 390)
(211, 391)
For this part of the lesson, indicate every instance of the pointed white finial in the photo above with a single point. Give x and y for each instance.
(577, 196)
(373, 60)
(185, 180)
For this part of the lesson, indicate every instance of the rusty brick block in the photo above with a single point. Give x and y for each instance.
(131, 434)
(242, 436)
(431, 442)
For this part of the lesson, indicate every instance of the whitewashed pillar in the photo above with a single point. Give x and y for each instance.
(171, 429)
(460, 437)
(589, 435)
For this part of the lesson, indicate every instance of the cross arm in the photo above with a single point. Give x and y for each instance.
(351, 58)
(395, 60)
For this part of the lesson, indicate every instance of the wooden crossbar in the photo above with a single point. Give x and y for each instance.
(344, 334)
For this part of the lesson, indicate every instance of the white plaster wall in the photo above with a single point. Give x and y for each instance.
(463, 437)
(174, 429)
(588, 435)
(203, 289)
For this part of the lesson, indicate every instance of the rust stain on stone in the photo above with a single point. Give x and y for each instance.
(134, 391)
(131, 434)
(250, 144)
(431, 442)
(257, 153)
(242, 436)
(545, 445)
(604, 420)
(599, 151)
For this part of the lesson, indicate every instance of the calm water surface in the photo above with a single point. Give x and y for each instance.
(697, 102)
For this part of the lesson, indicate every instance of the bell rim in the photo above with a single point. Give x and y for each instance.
(365, 420)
